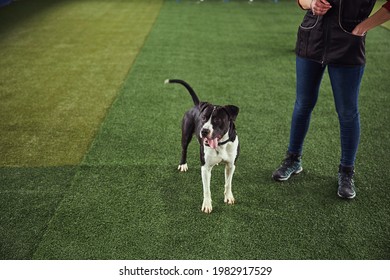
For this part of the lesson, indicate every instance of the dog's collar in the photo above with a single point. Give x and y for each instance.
(220, 143)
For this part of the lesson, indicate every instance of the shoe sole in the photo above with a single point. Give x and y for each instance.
(346, 197)
(286, 178)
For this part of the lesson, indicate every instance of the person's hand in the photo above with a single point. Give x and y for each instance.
(359, 30)
(379, 17)
(320, 7)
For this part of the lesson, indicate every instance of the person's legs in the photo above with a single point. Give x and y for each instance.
(346, 85)
(309, 75)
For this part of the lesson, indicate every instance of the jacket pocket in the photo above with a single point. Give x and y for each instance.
(309, 21)
(348, 25)
(347, 48)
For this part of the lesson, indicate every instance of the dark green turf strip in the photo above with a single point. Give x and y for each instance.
(28, 199)
(104, 218)
(129, 202)
(112, 215)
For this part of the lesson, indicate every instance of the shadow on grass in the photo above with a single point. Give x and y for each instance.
(18, 12)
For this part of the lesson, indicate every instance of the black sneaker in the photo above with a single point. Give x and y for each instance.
(290, 165)
(346, 187)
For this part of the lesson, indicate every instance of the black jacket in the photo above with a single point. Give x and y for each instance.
(328, 39)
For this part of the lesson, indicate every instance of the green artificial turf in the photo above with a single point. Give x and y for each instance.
(62, 64)
(28, 199)
(126, 200)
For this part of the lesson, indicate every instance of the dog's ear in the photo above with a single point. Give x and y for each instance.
(232, 111)
(203, 106)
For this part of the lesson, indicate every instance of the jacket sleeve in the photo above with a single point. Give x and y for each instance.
(386, 5)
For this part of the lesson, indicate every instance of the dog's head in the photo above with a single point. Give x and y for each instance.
(215, 122)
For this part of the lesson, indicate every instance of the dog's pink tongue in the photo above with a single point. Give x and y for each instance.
(213, 143)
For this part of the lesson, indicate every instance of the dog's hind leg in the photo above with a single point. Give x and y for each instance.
(229, 171)
(188, 128)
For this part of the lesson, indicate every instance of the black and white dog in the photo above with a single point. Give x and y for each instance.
(216, 133)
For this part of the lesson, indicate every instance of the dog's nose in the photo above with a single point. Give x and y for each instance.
(205, 132)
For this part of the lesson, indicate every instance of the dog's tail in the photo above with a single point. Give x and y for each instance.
(187, 86)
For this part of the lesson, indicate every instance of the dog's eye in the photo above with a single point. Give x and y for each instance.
(204, 118)
(217, 120)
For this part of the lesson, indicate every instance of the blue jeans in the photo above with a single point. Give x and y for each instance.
(345, 83)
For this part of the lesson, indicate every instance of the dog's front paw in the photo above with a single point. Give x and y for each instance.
(229, 199)
(207, 207)
(183, 167)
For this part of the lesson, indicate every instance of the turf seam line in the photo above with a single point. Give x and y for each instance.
(44, 232)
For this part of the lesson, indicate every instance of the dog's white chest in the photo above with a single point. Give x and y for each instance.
(226, 153)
